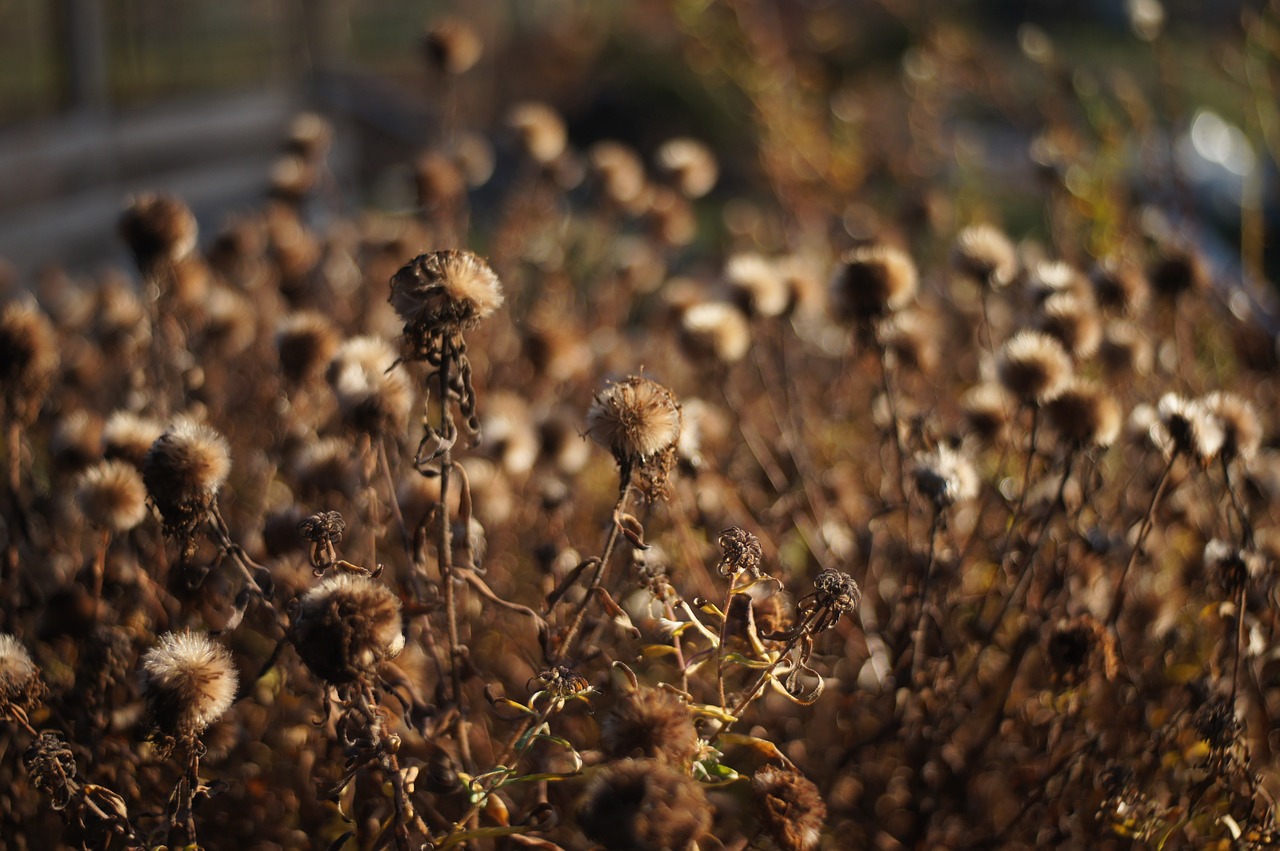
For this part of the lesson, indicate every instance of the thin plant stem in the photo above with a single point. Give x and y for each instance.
(1145, 529)
(917, 655)
(1235, 668)
(601, 569)
(1025, 486)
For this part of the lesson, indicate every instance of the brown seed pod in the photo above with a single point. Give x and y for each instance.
(790, 808)
(650, 723)
(1033, 367)
(346, 626)
(158, 228)
(644, 805)
(442, 294)
(872, 282)
(183, 471)
(28, 359)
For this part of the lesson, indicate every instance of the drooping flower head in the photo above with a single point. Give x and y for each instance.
(346, 626)
(442, 294)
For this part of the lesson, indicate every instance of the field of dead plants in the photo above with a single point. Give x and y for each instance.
(893, 469)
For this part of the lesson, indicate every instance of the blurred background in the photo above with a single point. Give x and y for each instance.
(1172, 100)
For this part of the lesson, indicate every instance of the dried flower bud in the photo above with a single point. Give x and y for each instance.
(183, 471)
(714, 330)
(452, 46)
(306, 342)
(984, 253)
(790, 808)
(644, 805)
(28, 359)
(190, 682)
(639, 421)
(1033, 367)
(373, 393)
(442, 294)
(541, 131)
(1241, 427)
(158, 228)
(1185, 427)
(112, 496)
(52, 767)
(326, 526)
(650, 723)
(742, 552)
(346, 626)
(837, 592)
(945, 477)
(1084, 414)
(872, 282)
(690, 164)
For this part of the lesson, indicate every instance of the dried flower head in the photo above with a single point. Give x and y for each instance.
(28, 359)
(651, 723)
(440, 182)
(872, 282)
(690, 164)
(741, 552)
(1053, 277)
(910, 339)
(985, 254)
(1125, 349)
(986, 411)
(1230, 567)
(1119, 286)
(789, 806)
(310, 135)
(442, 294)
(1072, 321)
(128, 437)
(1033, 367)
(619, 172)
(1177, 271)
(190, 682)
(756, 285)
(183, 471)
(1241, 427)
(372, 392)
(1084, 414)
(306, 342)
(1185, 427)
(714, 330)
(112, 496)
(52, 767)
(835, 594)
(1216, 722)
(541, 130)
(944, 477)
(1076, 644)
(639, 421)
(644, 805)
(346, 626)
(452, 46)
(158, 228)
(20, 686)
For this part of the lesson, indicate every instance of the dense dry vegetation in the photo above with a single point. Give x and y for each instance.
(793, 493)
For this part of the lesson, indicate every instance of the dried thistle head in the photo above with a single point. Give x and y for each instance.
(346, 627)
(1048, 278)
(835, 594)
(306, 342)
(28, 359)
(756, 285)
(911, 340)
(1119, 286)
(1073, 322)
(52, 768)
(1084, 414)
(619, 172)
(128, 437)
(158, 228)
(944, 477)
(741, 552)
(541, 130)
(1185, 427)
(20, 685)
(372, 392)
(650, 723)
(112, 496)
(690, 164)
(639, 421)
(985, 254)
(1232, 568)
(439, 180)
(442, 294)
(452, 46)
(1241, 426)
(1176, 271)
(986, 411)
(872, 282)
(714, 331)
(1033, 367)
(789, 807)
(644, 805)
(1125, 350)
(183, 471)
(309, 136)
(190, 682)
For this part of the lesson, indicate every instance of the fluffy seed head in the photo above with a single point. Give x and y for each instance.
(1051, 277)
(1119, 286)
(112, 496)
(644, 805)
(756, 285)
(1072, 321)
(789, 807)
(373, 394)
(190, 682)
(20, 686)
(1125, 349)
(1084, 414)
(1033, 367)
(650, 723)
(452, 46)
(158, 228)
(714, 330)
(183, 471)
(945, 477)
(636, 419)
(346, 626)
(910, 339)
(871, 282)
(541, 131)
(619, 172)
(1176, 272)
(306, 342)
(128, 436)
(1241, 427)
(444, 293)
(1230, 567)
(986, 410)
(28, 359)
(985, 254)
(1185, 427)
(690, 164)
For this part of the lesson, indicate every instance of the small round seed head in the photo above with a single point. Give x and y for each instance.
(690, 164)
(986, 410)
(230, 322)
(373, 393)
(837, 591)
(183, 471)
(1178, 271)
(1084, 414)
(714, 330)
(28, 359)
(128, 437)
(541, 130)
(1051, 277)
(52, 768)
(452, 46)
(306, 342)
(112, 496)
(444, 293)
(76, 441)
(756, 285)
(912, 341)
(1125, 349)
(20, 686)
(1033, 367)
(789, 807)
(619, 172)
(636, 419)
(741, 552)
(644, 805)
(1241, 427)
(872, 282)
(945, 477)
(1119, 286)
(439, 181)
(190, 682)
(346, 626)
(671, 218)
(650, 723)
(1072, 321)
(158, 228)
(1185, 427)
(1230, 567)
(310, 135)
(985, 254)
